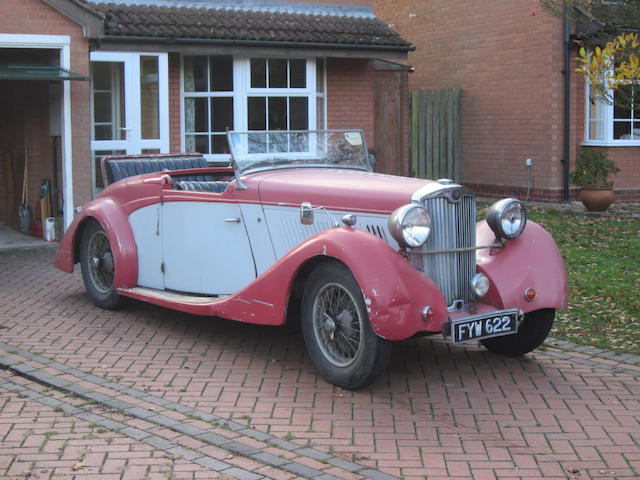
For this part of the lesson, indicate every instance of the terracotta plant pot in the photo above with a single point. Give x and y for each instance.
(597, 199)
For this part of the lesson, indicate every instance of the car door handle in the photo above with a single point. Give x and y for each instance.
(232, 220)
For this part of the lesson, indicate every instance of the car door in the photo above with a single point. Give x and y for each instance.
(205, 247)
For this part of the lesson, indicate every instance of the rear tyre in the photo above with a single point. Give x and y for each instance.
(98, 267)
(532, 331)
(335, 325)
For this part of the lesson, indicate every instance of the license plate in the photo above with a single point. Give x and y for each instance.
(485, 326)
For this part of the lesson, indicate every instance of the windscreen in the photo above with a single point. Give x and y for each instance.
(257, 150)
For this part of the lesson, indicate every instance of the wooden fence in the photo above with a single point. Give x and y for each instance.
(435, 134)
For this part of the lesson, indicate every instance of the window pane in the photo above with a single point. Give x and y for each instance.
(257, 113)
(258, 73)
(622, 130)
(102, 107)
(596, 120)
(277, 113)
(257, 142)
(107, 83)
(149, 97)
(219, 144)
(200, 143)
(278, 142)
(277, 73)
(299, 113)
(101, 75)
(195, 115)
(320, 63)
(221, 114)
(320, 113)
(221, 73)
(103, 132)
(195, 74)
(298, 73)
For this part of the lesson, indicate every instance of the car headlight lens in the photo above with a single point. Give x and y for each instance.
(410, 225)
(507, 218)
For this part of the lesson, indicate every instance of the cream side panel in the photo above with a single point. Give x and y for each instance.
(205, 248)
(287, 232)
(146, 227)
(261, 246)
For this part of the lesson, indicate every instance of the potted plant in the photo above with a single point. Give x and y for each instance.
(593, 168)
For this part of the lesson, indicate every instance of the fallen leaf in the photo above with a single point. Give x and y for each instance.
(77, 466)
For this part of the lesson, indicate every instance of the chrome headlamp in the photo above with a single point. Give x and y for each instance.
(507, 218)
(410, 225)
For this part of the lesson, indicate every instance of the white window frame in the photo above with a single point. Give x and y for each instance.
(242, 91)
(608, 121)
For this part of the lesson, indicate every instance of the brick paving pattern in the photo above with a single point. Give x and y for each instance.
(438, 412)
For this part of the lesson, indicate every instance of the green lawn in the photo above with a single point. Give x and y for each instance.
(602, 257)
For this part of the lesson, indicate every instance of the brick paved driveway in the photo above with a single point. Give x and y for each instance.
(151, 393)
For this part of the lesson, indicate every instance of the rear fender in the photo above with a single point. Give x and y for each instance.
(393, 290)
(110, 215)
(531, 260)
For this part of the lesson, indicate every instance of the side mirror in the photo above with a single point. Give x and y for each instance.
(372, 160)
(306, 214)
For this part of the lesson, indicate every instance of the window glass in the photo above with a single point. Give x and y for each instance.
(626, 119)
(298, 113)
(277, 108)
(195, 74)
(277, 73)
(107, 101)
(258, 73)
(211, 90)
(320, 64)
(298, 73)
(221, 73)
(257, 113)
(149, 97)
(221, 114)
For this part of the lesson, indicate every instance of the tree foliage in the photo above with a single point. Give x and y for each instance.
(612, 65)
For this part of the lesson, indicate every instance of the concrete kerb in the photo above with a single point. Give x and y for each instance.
(8, 361)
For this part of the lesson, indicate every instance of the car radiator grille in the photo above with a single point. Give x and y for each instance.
(453, 227)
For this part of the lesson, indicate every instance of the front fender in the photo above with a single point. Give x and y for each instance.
(393, 290)
(531, 260)
(114, 221)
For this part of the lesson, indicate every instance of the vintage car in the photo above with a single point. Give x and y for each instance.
(301, 229)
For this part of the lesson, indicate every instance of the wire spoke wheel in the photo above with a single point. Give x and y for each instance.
(98, 267)
(101, 261)
(337, 324)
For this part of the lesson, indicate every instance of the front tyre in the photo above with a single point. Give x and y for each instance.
(532, 331)
(98, 267)
(335, 325)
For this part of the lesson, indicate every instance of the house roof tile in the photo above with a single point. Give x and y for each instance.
(252, 22)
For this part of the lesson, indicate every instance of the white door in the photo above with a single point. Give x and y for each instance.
(205, 247)
(129, 105)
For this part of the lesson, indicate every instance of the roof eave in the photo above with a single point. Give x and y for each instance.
(339, 49)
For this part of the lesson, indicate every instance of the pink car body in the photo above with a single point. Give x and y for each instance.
(243, 254)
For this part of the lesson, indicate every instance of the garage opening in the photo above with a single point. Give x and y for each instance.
(31, 82)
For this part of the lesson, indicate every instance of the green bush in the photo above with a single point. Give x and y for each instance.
(593, 168)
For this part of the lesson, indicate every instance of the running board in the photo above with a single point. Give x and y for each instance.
(164, 297)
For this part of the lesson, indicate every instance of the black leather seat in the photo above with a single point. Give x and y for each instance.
(216, 187)
(117, 167)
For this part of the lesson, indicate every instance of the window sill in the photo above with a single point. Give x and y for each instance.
(616, 143)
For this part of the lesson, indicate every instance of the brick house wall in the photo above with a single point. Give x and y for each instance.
(507, 57)
(350, 96)
(36, 17)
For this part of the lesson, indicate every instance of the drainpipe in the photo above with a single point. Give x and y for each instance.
(567, 106)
